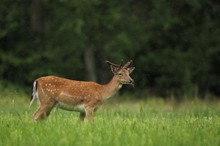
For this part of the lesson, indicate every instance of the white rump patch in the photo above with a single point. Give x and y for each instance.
(34, 94)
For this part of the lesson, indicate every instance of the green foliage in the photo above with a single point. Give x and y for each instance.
(151, 122)
(174, 44)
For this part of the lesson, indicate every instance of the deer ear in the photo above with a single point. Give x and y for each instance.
(130, 69)
(114, 69)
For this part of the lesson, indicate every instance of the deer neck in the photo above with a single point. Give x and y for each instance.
(111, 88)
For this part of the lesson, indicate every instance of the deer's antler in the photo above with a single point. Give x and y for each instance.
(121, 63)
(110, 63)
(128, 64)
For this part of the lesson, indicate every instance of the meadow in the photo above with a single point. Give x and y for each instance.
(128, 122)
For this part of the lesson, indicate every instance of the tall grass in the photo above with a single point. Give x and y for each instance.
(131, 123)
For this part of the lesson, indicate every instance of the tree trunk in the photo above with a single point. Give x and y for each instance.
(37, 16)
(89, 60)
(103, 69)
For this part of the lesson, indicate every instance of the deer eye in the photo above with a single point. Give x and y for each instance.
(120, 74)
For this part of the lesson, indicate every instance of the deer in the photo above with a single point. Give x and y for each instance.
(81, 96)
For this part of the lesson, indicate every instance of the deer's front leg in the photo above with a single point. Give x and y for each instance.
(89, 114)
(82, 116)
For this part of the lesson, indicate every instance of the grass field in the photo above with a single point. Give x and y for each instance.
(152, 122)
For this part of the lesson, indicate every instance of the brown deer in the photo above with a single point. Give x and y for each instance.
(81, 96)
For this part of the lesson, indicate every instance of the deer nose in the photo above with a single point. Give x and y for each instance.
(131, 81)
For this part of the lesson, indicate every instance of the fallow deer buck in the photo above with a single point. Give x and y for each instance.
(80, 96)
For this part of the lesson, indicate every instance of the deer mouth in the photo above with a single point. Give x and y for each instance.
(129, 83)
(132, 84)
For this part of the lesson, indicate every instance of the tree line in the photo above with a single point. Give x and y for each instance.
(174, 44)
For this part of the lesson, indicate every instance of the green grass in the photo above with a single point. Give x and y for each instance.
(153, 122)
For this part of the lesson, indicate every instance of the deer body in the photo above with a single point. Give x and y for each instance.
(80, 96)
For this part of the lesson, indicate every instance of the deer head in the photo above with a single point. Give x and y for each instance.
(122, 73)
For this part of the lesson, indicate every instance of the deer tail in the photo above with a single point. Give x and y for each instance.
(34, 93)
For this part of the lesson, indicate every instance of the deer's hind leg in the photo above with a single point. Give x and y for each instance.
(44, 110)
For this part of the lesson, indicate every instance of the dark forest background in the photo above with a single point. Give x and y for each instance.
(175, 44)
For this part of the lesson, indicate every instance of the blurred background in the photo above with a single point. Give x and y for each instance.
(175, 44)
